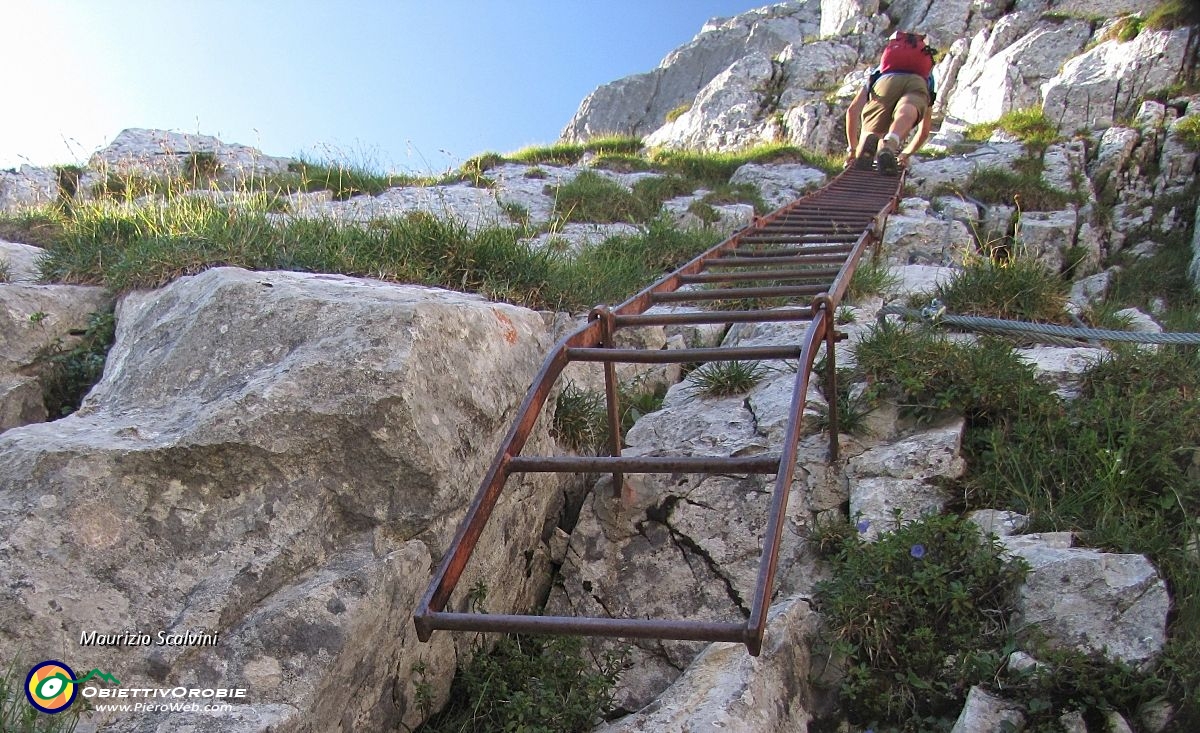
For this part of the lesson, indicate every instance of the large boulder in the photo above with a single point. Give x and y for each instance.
(730, 112)
(275, 460)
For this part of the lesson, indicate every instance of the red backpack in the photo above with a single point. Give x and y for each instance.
(908, 53)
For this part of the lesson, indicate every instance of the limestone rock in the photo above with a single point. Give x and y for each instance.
(728, 217)
(999, 522)
(33, 318)
(1063, 366)
(21, 401)
(928, 177)
(476, 208)
(896, 476)
(27, 187)
(780, 184)
(844, 17)
(1089, 290)
(276, 458)
(1194, 268)
(1106, 83)
(1138, 321)
(638, 104)
(164, 152)
(21, 261)
(1003, 73)
(1047, 235)
(729, 112)
(576, 236)
(913, 279)
(986, 713)
(727, 689)
(1094, 601)
(926, 240)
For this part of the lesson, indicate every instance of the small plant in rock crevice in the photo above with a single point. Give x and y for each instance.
(67, 374)
(725, 378)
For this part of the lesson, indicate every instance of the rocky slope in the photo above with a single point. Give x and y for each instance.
(279, 458)
(786, 72)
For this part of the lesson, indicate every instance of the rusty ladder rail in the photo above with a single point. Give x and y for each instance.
(814, 244)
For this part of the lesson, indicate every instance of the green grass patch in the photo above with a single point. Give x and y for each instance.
(1172, 14)
(590, 197)
(678, 112)
(1116, 465)
(67, 375)
(713, 169)
(1187, 130)
(1027, 190)
(1125, 29)
(920, 616)
(1015, 288)
(40, 226)
(929, 375)
(124, 247)
(5, 271)
(871, 277)
(572, 153)
(1030, 126)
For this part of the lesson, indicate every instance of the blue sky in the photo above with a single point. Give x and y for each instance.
(401, 84)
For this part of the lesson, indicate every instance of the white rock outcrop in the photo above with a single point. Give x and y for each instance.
(20, 262)
(638, 104)
(1106, 83)
(165, 152)
(27, 187)
(725, 689)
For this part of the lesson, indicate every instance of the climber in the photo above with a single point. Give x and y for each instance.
(899, 93)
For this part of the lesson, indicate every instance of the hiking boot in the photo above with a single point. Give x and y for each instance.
(887, 161)
(866, 152)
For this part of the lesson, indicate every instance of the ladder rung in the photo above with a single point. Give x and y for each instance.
(682, 356)
(794, 260)
(644, 464)
(781, 291)
(703, 317)
(812, 248)
(781, 274)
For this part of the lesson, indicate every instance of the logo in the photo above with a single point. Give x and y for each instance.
(51, 685)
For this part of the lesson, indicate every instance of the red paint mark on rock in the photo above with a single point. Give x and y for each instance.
(506, 325)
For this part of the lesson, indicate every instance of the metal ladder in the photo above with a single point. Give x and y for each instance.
(808, 248)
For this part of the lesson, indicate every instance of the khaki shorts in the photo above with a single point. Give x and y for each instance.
(888, 91)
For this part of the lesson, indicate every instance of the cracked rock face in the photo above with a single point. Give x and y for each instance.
(276, 459)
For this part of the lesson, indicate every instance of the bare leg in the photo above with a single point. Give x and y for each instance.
(903, 121)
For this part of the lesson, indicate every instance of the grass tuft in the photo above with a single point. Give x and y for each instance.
(1017, 288)
(726, 378)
